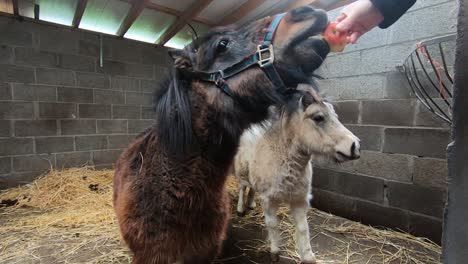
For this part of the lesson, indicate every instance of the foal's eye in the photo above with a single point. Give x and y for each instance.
(222, 45)
(318, 119)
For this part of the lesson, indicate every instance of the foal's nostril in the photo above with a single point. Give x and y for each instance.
(353, 148)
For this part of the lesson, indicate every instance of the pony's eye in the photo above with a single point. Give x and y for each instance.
(318, 119)
(222, 45)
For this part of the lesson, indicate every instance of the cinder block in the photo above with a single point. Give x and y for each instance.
(149, 86)
(106, 156)
(78, 127)
(6, 55)
(417, 141)
(5, 165)
(138, 98)
(58, 40)
(33, 163)
(125, 84)
(375, 214)
(77, 95)
(158, 56)
(382, 165)
(16, 110)
(125, 112)
(424, 226)
(424, 117)
(127, 69)
(348, 111)
(14, 37)
(77, 63)
(25, 128)
(57, 110)
(147, 112)
(354, 88)
(73, 159)
(370, 136)
(123, 50)
(34, 57)
(20, 74)
(108, 97)
(16, 146)
(431, 173)
(90, 142)
(427, 3)
(388, 112)
(111, 126)
(397, 86)
(395, 55)
(367, 188)
(416, 198)
(425, 25)
(5, 91)
(13, 180)
(93, 80)
(120, 141)
(55, 76)
(138, 126)
(341, 65)
(5, 128)
(335, 203)
(32, 92)
(95, 111)
(54, 144)
(375, 38)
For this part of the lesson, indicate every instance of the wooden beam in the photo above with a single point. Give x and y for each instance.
(132, 15)
(322, 4)
(15, 7)
(241, 12)
(192, 11)
(6, 6)
(174, 12)
(80, 8)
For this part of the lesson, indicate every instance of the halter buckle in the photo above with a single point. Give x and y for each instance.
(265, 55)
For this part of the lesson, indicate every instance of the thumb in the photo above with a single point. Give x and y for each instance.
(345, 25)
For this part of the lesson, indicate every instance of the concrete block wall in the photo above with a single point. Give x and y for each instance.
(59, 108)
(400, 180)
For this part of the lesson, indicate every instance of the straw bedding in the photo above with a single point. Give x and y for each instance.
(67, 217)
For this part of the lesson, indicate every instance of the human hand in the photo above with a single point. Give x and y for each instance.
(358, 18)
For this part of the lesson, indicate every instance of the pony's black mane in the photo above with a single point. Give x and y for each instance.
(173, 114)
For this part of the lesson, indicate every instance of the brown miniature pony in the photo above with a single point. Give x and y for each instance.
(169, 193)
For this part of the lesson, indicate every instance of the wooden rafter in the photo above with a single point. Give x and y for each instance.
(177, 13)
(132, 15)
(79, 12)
(322, 4)
(192, 11)
(6, 6)
(241, 12)
(15, 7)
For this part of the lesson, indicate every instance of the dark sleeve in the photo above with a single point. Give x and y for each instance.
(392, 10)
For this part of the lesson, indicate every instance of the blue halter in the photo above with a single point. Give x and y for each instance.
(263, 57)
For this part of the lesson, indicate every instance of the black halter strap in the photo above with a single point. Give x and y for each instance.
(263, 57)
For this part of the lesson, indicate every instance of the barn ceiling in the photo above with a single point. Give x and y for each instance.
(162, 22)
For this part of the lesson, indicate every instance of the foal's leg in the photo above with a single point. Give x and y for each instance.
(240, 203)
(270, 209)
(299, 214)
(251, 199)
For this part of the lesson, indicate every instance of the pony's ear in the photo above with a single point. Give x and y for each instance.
(180, 58)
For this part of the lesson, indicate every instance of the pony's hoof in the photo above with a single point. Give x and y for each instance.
(309, 259)
(240, 214)
(274, 256)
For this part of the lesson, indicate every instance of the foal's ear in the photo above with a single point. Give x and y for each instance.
(180, 58)
(306, 100)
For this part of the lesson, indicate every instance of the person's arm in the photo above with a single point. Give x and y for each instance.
(392, 10)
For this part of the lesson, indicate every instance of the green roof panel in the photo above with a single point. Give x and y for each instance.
(57, 11)
(184, 36)
(104, 16)
(149, 26)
